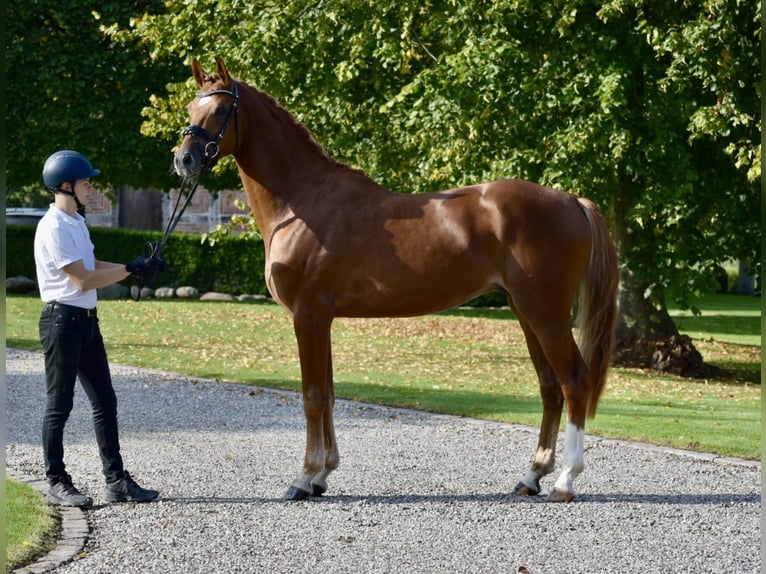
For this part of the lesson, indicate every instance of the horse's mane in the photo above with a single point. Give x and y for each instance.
(287, 118)
(284, 116)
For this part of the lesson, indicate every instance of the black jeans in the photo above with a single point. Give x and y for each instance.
(74, 347)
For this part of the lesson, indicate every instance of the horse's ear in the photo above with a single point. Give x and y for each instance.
(197, 72)
(222, 71)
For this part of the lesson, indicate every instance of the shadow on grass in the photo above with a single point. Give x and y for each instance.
(451, 401)
(502, 313)
(736, 374)
(718, 324)
(21, 343)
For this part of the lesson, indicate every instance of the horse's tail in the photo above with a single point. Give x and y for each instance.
(597, 312)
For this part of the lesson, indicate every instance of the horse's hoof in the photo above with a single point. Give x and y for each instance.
(525, 490)
(317, 490)
(295, 493)
(558, 495)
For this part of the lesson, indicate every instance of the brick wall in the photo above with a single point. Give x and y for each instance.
(203, 214)
(100, 210)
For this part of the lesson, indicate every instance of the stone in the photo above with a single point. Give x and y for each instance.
(215, 296)
(246, 297)
(164, 293)
(187, 293)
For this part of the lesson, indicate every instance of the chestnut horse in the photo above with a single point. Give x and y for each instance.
(340, 245)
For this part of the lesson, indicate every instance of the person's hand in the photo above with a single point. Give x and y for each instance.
(153, 251)
(145, 267)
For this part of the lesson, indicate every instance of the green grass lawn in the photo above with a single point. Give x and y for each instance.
(723, 318)
(31, 526)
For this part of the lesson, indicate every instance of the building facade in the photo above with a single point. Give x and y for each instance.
(146, 209)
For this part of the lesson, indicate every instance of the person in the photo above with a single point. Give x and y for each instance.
(68, 275)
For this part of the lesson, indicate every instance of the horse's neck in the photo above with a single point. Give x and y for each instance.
(262, 160)
(281, 167)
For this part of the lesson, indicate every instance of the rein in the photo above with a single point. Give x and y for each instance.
(210, 154)
(153, 250)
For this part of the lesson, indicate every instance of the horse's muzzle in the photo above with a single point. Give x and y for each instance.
(187, 163)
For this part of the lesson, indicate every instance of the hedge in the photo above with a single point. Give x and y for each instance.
(234, 265)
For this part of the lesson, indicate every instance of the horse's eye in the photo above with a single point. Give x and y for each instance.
(221, 110)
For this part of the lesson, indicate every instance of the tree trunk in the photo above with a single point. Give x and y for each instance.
(647, 336)
(640, 324)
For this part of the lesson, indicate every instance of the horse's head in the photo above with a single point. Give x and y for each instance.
(208, 137)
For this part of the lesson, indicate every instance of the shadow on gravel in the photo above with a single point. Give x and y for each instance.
(675, 499)
(489, 498)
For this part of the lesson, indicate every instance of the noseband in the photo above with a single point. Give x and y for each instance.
(211, 149)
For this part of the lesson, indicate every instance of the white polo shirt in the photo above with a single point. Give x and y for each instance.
(61, 239)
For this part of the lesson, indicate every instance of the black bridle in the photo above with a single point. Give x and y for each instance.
(210, 153)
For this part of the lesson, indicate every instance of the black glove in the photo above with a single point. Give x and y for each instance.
(146, 267)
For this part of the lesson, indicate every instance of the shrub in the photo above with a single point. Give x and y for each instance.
(234, 265)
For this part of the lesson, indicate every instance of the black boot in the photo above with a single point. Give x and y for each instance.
(125, 489)
(64, 493)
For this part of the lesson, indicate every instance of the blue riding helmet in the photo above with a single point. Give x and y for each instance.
(66, 165)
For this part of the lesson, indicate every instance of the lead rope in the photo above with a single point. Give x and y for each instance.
(175, 217)
(153, 250)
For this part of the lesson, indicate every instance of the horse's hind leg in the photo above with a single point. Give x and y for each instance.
(576, 386)
(553, 401)
(574, 378)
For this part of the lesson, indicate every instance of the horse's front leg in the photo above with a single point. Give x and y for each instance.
(332, 455)
(313, 335)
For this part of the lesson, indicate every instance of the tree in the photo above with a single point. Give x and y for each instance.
(649, 108)
(70, 86)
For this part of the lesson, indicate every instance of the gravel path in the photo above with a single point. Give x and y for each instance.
(415, 492)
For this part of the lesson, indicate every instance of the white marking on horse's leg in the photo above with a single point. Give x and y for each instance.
(319, 482)
(574, 439)
(544, 462)
(312, 465)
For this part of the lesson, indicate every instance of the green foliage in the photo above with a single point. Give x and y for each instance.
(70, 86)
(245, 226)
(19, 251)
(234, 265)
(29, 196)
(652, 110)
